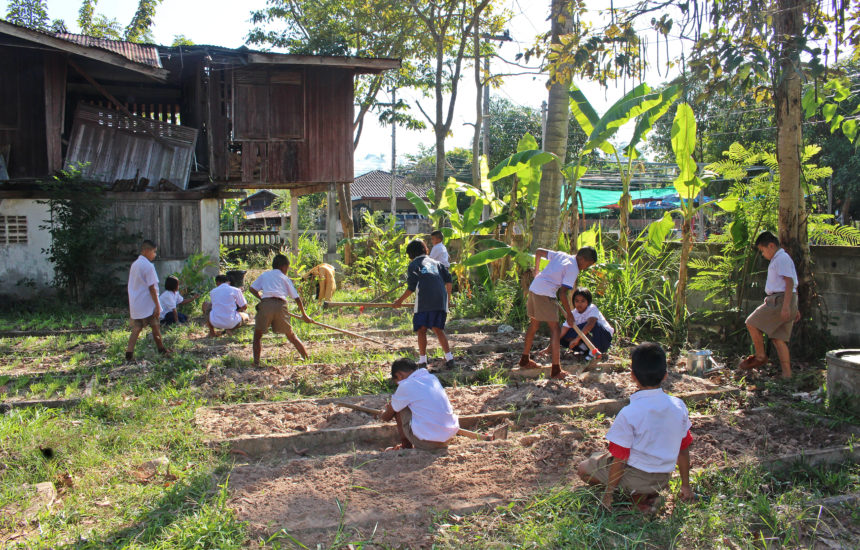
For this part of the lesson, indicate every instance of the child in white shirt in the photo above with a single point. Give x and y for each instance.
(648, 438)
(170, 301)
(590, 321)
(226, 307)
(424, 415)
(143, 305)
(439, 252)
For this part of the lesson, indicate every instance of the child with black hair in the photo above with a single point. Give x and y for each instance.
(225, 308)
(777, 315)
(431, 283)
(143, 305)
(590, 321)
(439, 252)
(272, 288)
(170, 301)
(424, 415)
(648, 438)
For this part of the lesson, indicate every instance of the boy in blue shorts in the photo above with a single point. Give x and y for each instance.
(431, 283)
(648, 438)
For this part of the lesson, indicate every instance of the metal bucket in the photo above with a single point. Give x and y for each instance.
(698, 361)
(843, 377)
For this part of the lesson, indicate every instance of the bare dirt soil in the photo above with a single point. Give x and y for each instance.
(317, 414)
(397, 492)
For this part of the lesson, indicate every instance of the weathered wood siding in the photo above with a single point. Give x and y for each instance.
(22, 112)
(175, 226)
(115, 146)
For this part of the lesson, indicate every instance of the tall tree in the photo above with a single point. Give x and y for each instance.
(28, 13)
(545, 232)
(140, 27)
(448, 25)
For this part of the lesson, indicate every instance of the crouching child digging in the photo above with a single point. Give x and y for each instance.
(648, 438)
(420, 406)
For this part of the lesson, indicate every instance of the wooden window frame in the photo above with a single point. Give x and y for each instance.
(268, 78)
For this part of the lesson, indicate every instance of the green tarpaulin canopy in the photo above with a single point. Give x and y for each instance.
(595, 199)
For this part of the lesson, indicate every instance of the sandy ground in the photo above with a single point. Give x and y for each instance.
(316, 414)
(397, 493)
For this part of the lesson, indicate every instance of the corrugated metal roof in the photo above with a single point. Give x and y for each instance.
(146, 54)
(376, 184)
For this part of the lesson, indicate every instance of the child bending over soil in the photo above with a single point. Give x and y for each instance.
(143, 305)
(425, 418)
(649, 436)
(170, 301)
(431, 283)
(226, 307)
(550, 284)
(273, 288)
(590, 321)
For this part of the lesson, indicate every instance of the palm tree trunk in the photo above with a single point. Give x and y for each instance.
(548, 212)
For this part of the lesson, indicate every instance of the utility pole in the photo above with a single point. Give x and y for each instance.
(393, 152)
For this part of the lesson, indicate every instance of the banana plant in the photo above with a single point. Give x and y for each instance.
(641, 105)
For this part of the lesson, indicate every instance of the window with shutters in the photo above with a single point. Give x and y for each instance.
(13, 230)
(268, 105)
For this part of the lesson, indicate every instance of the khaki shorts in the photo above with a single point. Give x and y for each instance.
(542, 308)
(406, 422)
(272, 312)
(151, 321)
(633, 480)
(768, 316)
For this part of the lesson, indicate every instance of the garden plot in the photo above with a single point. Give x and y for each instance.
(396, 493)
(319, 414)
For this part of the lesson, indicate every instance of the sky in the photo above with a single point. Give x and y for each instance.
(227, 22)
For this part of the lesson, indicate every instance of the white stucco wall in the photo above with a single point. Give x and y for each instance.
(24, 269)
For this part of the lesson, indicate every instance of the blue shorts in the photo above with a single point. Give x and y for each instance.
(599, 336)
(429, 319)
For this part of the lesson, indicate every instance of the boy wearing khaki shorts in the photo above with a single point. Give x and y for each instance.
(777, 315)
(552, 286)
(648, 438)
(273, 288)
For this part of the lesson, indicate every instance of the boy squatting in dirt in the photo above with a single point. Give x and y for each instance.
(648, 437)
(552, 285)
(424, 415)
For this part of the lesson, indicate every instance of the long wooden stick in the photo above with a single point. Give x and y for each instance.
(364, 304)
(377, 412)
(596, 352)
(350, 333)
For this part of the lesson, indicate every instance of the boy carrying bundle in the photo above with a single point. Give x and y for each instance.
(649, 436)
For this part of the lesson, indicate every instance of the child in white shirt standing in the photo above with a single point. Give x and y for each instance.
(777, 315)
(170, 301)
(273, 288)
(439, 252)
(143, 305)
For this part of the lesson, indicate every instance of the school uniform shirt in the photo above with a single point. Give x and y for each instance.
(433, 417)
(169, 299)
(427, 278)
(440, 254)
(274, 284)
(141, 276)
(590, 311)
(780, 266)
(225, 299)
(561, 271)
(650, 431)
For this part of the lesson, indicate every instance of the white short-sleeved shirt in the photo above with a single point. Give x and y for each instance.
(433, 418)
(274, 284)
(440, 254)
(652, 427)
(225, 299)
(169, 299)
(780, 266)
(561, 271)
(141, 276)
(590, 311)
